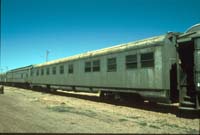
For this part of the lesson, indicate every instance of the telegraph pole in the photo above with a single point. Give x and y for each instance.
(0, 38)
(0, 53)
(0, 50)
(47, 55)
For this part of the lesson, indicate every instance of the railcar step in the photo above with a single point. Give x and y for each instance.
(187, 104)
(188, 112)
(184, 85)
(187, 108)
(187, 98)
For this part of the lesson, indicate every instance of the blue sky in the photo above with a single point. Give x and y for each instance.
(70, 27)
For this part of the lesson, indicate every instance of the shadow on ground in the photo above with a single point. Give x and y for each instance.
(161, 108)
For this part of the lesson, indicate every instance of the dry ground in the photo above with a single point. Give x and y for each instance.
(29, 111)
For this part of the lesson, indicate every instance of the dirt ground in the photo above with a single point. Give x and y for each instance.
(26, 111)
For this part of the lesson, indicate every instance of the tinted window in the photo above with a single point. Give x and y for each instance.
(96, 65)
(70, 69)
(111, 65)
(38, 72)
(54, 70)
(87, 66)
(147, 59)
(47, 71)
(131, 61)
(32, 72)
(42, 71)
(61, 69)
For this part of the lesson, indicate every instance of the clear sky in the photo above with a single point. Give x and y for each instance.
(70, 27)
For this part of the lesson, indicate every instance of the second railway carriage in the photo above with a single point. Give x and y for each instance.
(19, 76)
(141, 67)
(2, 78)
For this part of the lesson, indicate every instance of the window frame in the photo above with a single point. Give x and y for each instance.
(147, 62)
(61, 68)
(96, 67)
(88, 66)
(129, 63)
(32, 72)
(54, 70)
(47, 71)
(42, 71)
(38, 72)
(111, 65)
(71, 68)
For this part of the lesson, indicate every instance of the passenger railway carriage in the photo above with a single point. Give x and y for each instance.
(165, 68)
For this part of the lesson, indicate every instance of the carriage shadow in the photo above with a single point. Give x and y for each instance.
(162, 108)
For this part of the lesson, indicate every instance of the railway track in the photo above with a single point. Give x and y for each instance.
(144, 105)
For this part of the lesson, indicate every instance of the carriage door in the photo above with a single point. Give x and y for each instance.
(189, 72)
(197, 70)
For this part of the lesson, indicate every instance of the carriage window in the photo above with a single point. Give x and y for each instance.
(54, 70)
(32, 72)
(87, 66)
(38, 72)
(70, 68)
(147, 59)
(61, 69)
(131, 61)
(42, 71)
(21, 75)
(96, 65)
(111, 65)
(47, 71)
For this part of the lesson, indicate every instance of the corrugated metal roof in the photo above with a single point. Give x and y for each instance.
(141, 43)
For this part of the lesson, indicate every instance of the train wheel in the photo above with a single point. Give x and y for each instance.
(101, 95)
(152, 103)
(106, 96)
